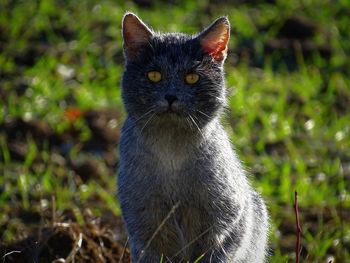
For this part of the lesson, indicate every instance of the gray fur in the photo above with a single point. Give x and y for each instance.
(182, 190)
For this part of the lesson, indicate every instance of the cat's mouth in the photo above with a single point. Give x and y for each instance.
(171, 109)
(172, 113)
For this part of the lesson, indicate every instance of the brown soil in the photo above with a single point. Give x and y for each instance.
(68, 242)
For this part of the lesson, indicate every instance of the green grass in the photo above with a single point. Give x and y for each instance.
(289, 120)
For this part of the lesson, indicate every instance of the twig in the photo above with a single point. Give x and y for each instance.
(9, 253)
(124, 248)
(75, 249)
(53, 211)
(158, 229)
(298, 228)
(192, 242)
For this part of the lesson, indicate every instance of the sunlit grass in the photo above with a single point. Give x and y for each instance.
(290, 128)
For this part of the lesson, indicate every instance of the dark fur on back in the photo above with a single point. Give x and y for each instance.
(182, 190)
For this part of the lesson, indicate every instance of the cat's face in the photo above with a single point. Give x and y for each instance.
(174, 78)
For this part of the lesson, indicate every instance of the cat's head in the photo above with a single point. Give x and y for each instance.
(174, 78)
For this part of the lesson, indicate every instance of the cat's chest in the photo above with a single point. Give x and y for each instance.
(170, 157)
(169, 162)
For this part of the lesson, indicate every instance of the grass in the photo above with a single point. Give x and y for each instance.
(288, 113)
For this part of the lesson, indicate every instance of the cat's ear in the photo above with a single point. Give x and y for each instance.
(135, 34)
(214, 39)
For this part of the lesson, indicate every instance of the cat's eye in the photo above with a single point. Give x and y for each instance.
(191, 78)
(154, 76)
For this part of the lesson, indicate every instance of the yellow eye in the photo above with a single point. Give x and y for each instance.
(191, 78)
(154, 76)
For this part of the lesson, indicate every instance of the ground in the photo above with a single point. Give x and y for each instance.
(60, 115)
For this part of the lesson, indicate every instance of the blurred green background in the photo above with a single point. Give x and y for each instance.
(288, 74)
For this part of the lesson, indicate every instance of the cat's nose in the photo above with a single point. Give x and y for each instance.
(170, 98)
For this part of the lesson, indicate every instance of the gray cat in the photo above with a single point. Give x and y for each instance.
(184, 194)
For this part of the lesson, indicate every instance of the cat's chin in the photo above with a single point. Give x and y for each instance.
(171, 116)
(171, 119)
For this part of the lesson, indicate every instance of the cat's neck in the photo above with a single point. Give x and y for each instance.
(175, 135)
(173, 147)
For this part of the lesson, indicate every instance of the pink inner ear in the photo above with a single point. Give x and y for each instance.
(135, 33)
(215, 43)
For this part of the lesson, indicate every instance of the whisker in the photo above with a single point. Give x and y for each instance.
(144, 126)
(206, 115)
(189, 123)
(140, 118)
(150, 111)
(195, 123)
(214, 95)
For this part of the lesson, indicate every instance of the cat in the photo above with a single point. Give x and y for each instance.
(183, 193)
